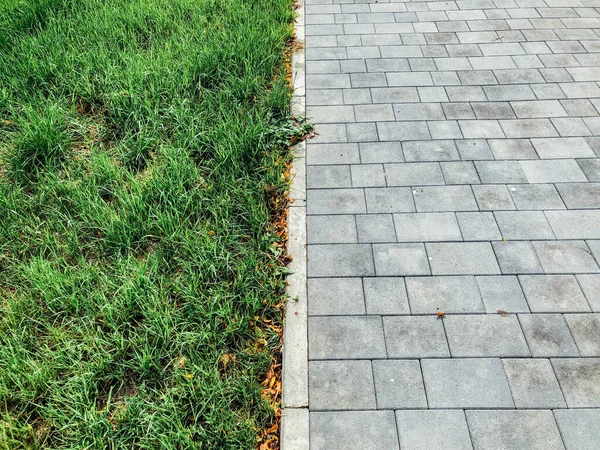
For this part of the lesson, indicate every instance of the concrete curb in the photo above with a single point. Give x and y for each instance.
(294, 418)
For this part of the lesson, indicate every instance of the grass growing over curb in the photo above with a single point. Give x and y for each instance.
(142, 146)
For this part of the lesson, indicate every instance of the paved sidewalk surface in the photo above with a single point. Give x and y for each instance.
(456, 173)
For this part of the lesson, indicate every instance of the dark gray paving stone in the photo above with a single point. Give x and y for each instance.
(455, 294)
(375, 228)
(331, 230)
(579, 428)
(466, 383)
(353, 430)
(341, 385)
(502, 293)
(340, 260)
(514, 430)
(400, 259)
(533, 384)
(433, 429)
(424, 227)
(348, 337)
(548, 335)
(579, 380)
(335, 296)
(462, 258)
(585, 329)
(398, 384)
(485, 335)
(565, 257)
(553, 293)
(385, 295)
(517, 257)
(415, 337)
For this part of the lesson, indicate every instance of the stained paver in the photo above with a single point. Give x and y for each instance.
(453, 201)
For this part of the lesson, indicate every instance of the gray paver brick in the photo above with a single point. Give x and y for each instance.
(460, 258)
(375, 228)
(462, 172)
(367, 175)
(328, 177)
(517, 257)
(562, 148)
(493, 197)
(512, 149)
(399, 131)
(340, 260)
(565, 257)
(579, 379)
(580, 195)
(591, 168)
(385, 295)
(478, 226)
(331, 230)
(494, 172)
(502, 293)
(381, 152)
(400, 259)
(552, 171)
(415, 337)
(533, 384)
(456, 294)
(349, 337)
(523, 225)
(536, 197)
(444, 198)
(585, 329)
(580, 429)
(338, 153)
(553, 293)
(361, 131)
(429, 151)
(415, 174)
(389, 200)
(324, 296)
(335, 201)
(575, 224)
(474, 149)
(423, 227)
(590, 284)
(466, 383)
(547, 335)
(399, 384)
(434, 429)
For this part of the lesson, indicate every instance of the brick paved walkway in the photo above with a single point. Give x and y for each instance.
(456, 170)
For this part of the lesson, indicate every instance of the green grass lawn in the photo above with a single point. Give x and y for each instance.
(142, 146)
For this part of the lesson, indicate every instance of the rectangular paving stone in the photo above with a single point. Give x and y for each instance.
(340, 260)
(353, 430)
(403, 131)
(553, 293)
(474, 149)
(466, 383)
(381, 152)
(493, 197)
(399, 384)
(554, 148)
(548, 335)
(528, 128)
(460, 172)
(580, 195)
(512, 149)
(430, 150)
(579, 428)
(444, 198)
(330, 114)
(385, 295)
(328, 177)
(533, 384)
(433, 429)
(418, 111)
(523, 225)
(591, 168)
(478, 226)
(456, 294)
(324, 296)
(590, 284)
(400, 259)
(415, 337)
(341, 385)
(414, 174)
(579, 379)
(350, 337)
(481, 129)
(517, 257)
(502, 293)
(335, 153)
(552, 171)
(485, 335)
(494, 172)
(575, 224)
(514, 430)
(538, 109)
(565, 257)
(535, 197)
(375, 228)
(476, 258)
(335, 201)
(367, 175)
(389, 200)
(423, 227)
(585, 329)
(331, 230)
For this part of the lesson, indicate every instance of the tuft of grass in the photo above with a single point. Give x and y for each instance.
(142, 145)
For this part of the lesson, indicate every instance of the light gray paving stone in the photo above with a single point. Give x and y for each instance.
(350, 337)
(485, 335)
(579, 108)
(552, 171)
(381, 152)
(580, 195)
(331, 229)
(328, 177)
(466, 383)
(433, 94)
(493, 197)
(474, 149)
(445, 78)
(535, 197)
(494, 172)
(477, 77)
(403, 131)
(444, 198)
(459, 173)
(353, 430)
(580, 429)
(571, 126)
(445, 129)
(389, 200)
(418, 111)
(548, 335)
(533, 384)
(478, 226)
(330, 114)
(338, 153)
(398, 384)
(538, 109)
(341, 385)
(385, 295)
(590, 284)
(579, 379)
(585, 329)
(517, 257)
(565, 257)
(415, 337)
(512, 149)
(324, 296)
(340, 260)
(458, 111)
(528, 128)
(514, 430)
(373, 113)
(414, 174)
(324, 97)
(329, 133)
(523, 225)
(594, 246)
(335, 201)
(406, 78)
(361, 132)
(394, 95)
(509, 92)
(375, 228)
(400, 259)
(581, 224)
(368, 175)
(502, 293)
(423, 227)
(433, 429)
(591, 168)
(356, 96)
(456, 294)
(462, 258)
(465, 94)
(493, 110)
(430, 151)
(547, 91)
(553, 293)
(481, 129)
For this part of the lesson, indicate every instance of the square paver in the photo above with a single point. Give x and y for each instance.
(548, 335)
(466, 383)
(415, 337)
(514, 430)
(451, 294)
(579, 380)
(579, 428)
(460, 258)
(385, 295)
(348, 337)
(585, 329)
(400, 259)
(533, 384)
(485, 335)
(553, 293)
(335, 296)
(341, 385)
(398, 384)
(502, 293)
(433, 429)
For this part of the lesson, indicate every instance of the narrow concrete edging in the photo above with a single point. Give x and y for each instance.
(295, 418)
